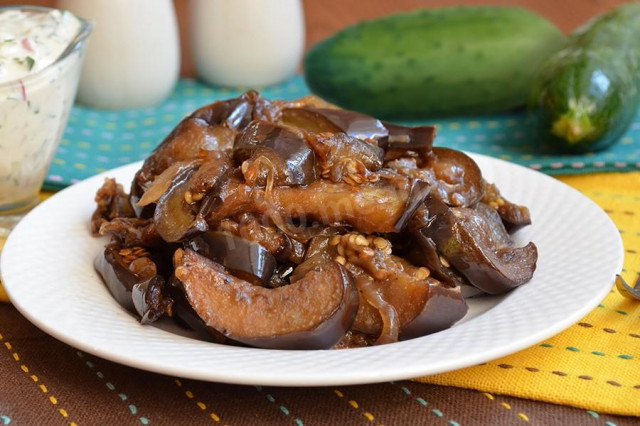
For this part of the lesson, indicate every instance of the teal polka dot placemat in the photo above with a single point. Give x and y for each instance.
(99, 140)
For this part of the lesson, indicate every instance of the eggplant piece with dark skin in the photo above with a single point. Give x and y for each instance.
(478, 246)
(211, 128)
(401, 139)
(513, 215)
(111, 202)
(343, 158)
(397, 299)
(247, 226)
(175, 219)
(131, 232)
(420, 306)
(374, 207)
(264, 148)
(417, 194)
(313, 313)
(132, 279)
(185, 316)
(333, 120)
(458, 179)
(243, 258)
(421, 250)
(179, 213)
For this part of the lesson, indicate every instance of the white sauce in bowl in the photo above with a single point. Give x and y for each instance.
(31, 41)
(37, 88)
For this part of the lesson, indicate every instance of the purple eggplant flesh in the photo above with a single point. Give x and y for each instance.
(313, 313)
(243, 258)
(273, 149)
(478, 246)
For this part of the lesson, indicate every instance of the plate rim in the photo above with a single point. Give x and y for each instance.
(313, 379)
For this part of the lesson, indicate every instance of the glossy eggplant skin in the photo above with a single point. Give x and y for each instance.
(458, 179)
(513, 215)
(333, 120)
(444, 307)
(400, 139)
(475, 242)
(283, 153)
(313, 313)
(134, 284)
(174, 218)
(210, 128)
(111, 203)
(421, 250)
(177, 215)
(243, 258)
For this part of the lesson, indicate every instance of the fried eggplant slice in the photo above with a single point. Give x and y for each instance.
(344, 158)
(265, 148)
(397, 299)
(132, 279)
(458, 179)
(180, 212)
(320, 120)
(513, 215)
(313, 313)
(111, 202)
(401, 139)
(477, 245)
(131, 232)
(375, 207)
(243, 258)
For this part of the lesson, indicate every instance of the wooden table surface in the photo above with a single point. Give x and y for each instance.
(324, 17)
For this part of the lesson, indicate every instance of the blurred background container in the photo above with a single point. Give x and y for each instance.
(246, 42)
(325, 17)
(133, 58)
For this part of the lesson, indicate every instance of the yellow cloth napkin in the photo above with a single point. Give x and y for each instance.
(594, 364)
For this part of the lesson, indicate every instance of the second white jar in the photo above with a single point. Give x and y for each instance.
(246, 42)
(133, 58)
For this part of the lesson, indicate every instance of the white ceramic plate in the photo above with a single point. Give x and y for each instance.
(47, 271)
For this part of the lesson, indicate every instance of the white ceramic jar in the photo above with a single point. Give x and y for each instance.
(246, 42)
(133, 58)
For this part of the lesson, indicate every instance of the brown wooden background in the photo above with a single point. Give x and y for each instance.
(324, 17)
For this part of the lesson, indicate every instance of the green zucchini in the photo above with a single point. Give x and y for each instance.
(433, 62)
(586, 95)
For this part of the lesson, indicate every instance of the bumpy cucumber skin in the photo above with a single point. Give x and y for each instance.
(433, 62)
(587, 94)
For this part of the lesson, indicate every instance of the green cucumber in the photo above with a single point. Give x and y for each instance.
(433, 62)
(587, 94)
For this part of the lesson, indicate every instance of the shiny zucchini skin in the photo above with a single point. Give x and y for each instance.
(587, 94)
